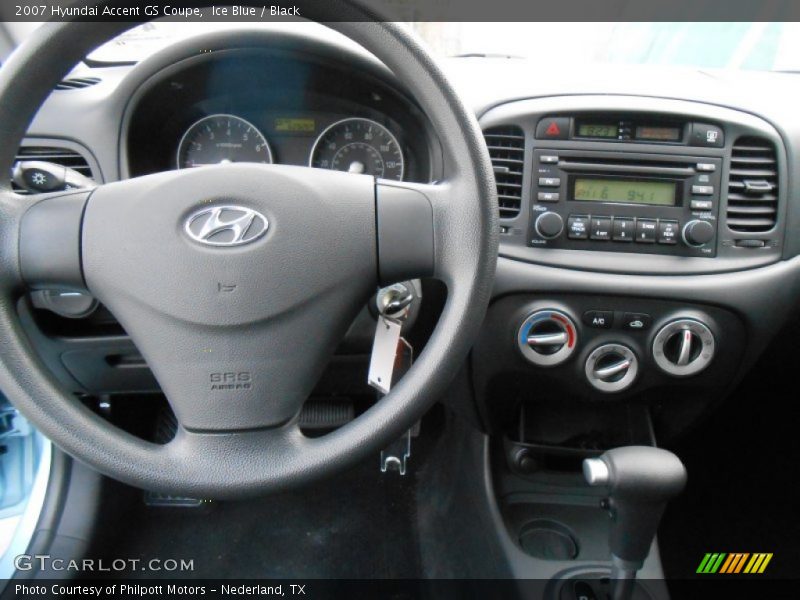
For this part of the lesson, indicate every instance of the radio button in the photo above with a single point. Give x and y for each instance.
(601, 228)
(547, 196)
(701, 204)
(549, 181)
(578, 228)
(623, 229)
(707, 167)
(646, 231)
(549, 159)
(668, 232)
(703, 190)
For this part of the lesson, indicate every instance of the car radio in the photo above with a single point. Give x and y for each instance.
(625, 202)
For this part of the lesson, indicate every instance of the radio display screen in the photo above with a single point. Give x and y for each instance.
(625, 191)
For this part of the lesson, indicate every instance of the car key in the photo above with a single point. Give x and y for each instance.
(392, 355)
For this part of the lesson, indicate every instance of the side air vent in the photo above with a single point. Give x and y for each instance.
(61, 156)
(752, 186)
(76, 83)
(507, 150)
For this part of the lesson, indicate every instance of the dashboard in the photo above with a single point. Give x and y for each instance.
(648, 224)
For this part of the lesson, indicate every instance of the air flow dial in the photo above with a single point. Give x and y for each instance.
(547, 338)
(611, 368)
(683, 347)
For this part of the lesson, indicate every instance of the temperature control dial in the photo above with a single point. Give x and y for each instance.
(547, 338)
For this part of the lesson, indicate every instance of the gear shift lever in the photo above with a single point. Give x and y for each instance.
(640, 481)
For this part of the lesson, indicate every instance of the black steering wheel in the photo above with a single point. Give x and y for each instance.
(237, 281)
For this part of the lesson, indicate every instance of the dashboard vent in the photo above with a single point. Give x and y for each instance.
(76, 83)
(752, 186)
(507, 150)
(61, 156)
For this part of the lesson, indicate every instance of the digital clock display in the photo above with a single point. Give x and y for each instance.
(598, 130)
(625, 191)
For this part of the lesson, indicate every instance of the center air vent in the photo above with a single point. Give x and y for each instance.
(76, 83)
(61, 156)
(752, 186)
(507, 150)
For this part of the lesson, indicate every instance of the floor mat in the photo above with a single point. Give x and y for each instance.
(360, 524)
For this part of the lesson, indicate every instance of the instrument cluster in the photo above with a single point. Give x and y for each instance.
(261, 108)
(353, 144)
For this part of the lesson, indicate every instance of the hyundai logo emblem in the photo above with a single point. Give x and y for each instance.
(226, 225)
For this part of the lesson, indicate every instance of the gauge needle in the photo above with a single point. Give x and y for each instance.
(356, 167)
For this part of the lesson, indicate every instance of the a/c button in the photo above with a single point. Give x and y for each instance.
(599, 319)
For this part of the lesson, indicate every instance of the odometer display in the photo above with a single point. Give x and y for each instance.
(359, 146)
(222, 139)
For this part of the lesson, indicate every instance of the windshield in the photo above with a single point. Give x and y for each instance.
(756, 46)
(760, 46)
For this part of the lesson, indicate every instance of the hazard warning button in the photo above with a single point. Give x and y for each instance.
(553, 128)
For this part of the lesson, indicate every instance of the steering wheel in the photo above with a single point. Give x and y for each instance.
(237, 281)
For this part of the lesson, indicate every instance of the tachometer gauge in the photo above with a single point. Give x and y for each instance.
(222, 139)
(359, 146)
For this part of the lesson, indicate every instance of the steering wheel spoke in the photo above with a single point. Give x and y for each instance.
(416, 222)
(46, 229)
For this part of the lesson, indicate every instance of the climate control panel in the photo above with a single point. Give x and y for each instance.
(611, 347)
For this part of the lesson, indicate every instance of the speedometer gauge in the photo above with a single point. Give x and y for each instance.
(222, 139)
(359, 146)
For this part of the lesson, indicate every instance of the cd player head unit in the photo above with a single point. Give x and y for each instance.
(625, 202)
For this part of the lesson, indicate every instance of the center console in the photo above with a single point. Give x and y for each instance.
(640, 239)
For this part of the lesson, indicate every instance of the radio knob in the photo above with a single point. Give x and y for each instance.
(698, 233)
(549, 225)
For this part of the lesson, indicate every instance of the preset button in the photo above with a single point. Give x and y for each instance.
(646, 231)
(601, 228)
(623, 229)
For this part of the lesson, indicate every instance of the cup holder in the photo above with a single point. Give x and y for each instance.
(548, 540)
